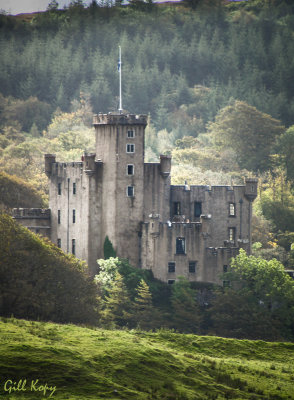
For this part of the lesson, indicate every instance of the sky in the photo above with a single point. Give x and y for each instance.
(27, 6)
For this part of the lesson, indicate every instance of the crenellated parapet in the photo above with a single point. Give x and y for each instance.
(119, 119)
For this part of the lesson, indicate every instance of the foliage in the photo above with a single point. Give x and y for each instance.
(260, 303)
(95, 363)
(186, 314)
(15, 192)
(39, 281)
(250, 133)
(108, 249)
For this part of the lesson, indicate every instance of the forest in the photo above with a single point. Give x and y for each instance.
(216, 81)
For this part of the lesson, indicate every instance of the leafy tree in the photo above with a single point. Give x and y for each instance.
(39, 281)
(53, 5)
(249, 132)
(286, 151)
(260, 303)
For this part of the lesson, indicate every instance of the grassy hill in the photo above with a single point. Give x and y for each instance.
(96, 364)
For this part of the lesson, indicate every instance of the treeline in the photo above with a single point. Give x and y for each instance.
(241, 51)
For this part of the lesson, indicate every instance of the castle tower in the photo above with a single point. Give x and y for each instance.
(120, 147)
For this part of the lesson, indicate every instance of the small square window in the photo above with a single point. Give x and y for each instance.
(197, 209)
(59, 243)
(131, 134)
(130, 169)
(73, 246)
(171, 267)
(58, 216)
(171, 281)
(130, 148)
(74, 188)
(130, 191)
(180, 245)
(232, 210)
(59, 189)
(192, 267)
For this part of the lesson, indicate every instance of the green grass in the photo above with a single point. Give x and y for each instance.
(100, 364)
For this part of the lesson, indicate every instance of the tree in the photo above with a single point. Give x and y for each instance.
(108, 249)
(249, 132)
(286, 151)
(144, 314)
(116, 305)
(186, 313)
(52, 6)
(260, 303)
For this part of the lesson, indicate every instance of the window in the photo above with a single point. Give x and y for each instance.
(171, 267)
(58, 216)
(225, 268)
(59, 243)
(130, 169)
(131, 134)
(73, 246)
(197, 209)
(232, 234)
(130, 191)
(192, 267)
(171, 281)
(59, 189)
(130, 148)
(74, 188)
(177, 208)
(73, 216)
(232, 210)
(226, 283)
(180, 245)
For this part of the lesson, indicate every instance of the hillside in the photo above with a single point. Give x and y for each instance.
(98, 364)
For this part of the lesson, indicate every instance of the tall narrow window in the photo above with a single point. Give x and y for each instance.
(130, 191)
(59, 243)
(130, 148)
(180, 245)
(171, 267)
(192, 267)
(130, 169)
(73, 216)
(73, 246)
(131, 134)
(74, 188)
(232, 234)
(177, 208)
(58, 216)
(232, 210)
(197, 209)
(59, 189)
(225, 268)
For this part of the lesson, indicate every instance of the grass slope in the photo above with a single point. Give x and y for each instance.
(99, 364)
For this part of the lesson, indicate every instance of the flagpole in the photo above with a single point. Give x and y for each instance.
(120, 97)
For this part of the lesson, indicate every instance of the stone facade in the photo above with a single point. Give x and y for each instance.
(190, 231)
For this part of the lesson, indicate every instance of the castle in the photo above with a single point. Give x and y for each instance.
(190, 231)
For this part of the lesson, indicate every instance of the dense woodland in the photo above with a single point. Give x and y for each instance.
(215, 78)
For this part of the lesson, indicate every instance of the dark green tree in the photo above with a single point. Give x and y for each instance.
(108, 249)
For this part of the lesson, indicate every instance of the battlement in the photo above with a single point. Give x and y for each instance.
(36, 213)
(121, 119)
